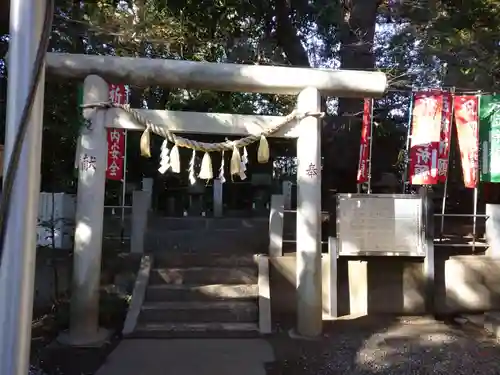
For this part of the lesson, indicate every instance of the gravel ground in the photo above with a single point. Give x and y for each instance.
(370, 346)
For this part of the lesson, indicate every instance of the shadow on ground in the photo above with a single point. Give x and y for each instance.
(388, 345)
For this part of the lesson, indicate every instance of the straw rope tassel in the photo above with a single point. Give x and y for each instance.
(175, 159)
(263, 150)
(206, 171)
(164, 157)
(244, 158)
(145, 143)
(243, 164)
(192, 176)
(222, 179)
(235, 166)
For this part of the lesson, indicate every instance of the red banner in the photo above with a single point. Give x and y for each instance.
(364, 148)
(444, 139)
(116, 137)
(425, 137)
(466, 119)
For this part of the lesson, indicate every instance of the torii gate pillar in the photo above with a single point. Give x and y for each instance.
(308, 262)
(84, 311)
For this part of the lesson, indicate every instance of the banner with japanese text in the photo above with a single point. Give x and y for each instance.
(466, 120)
(489, 138)
(425, 138)
(364, 148)
(444, 139)
(116, 137)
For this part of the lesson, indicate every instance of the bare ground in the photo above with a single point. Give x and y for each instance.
(383, 345)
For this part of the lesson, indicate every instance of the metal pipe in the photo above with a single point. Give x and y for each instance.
(445, 192)
(474, 219)
(407, 146)
(461, 245)
(371, 147)
(124, 180)
(463, 215)
(17, 272)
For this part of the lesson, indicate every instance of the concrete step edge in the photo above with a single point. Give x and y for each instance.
(197, 327)
(205, 268)
(197, 305)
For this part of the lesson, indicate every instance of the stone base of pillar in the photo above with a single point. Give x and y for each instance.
(93, 340)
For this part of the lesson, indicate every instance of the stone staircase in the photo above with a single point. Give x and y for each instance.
(200, 295)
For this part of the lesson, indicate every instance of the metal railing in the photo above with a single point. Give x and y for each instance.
(473, 244)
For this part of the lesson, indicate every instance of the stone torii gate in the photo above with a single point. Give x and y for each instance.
(308, 84)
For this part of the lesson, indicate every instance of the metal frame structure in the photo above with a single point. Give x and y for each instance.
(427, 240)
(420, 252)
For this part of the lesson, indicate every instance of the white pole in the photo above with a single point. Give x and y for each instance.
(407, 146)
(474, 220)
(84, 313)
(308, 263)
(371, 148)
(17, 270)
(124, 179)
(445, 192)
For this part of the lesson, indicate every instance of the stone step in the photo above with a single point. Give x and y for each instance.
(195, 330)
(204, 275)
(204, 260)
(175, 292)
(201, 312)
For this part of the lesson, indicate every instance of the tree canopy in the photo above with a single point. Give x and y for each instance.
(418, 43)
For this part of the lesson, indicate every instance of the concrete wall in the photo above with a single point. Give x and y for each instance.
(395, 285)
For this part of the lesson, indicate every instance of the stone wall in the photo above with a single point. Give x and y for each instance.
(395, 285)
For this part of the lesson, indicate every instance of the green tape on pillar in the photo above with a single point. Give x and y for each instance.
(489, 138)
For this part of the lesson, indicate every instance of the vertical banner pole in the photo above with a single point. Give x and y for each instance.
(124, 179)
(445, 192)
(365, 146)
(474, 220)
(407, 146)
(370, 148)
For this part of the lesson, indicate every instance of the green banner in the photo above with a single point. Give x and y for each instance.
(489, 138)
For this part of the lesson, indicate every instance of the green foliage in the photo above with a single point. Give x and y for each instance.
(418, 43)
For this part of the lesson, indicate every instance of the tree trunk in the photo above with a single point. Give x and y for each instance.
(356, 52)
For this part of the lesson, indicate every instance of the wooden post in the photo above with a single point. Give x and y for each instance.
(276, 216)
(287, 193)
(309, 292)
(217, 196)
(84, 315)
(140, 208)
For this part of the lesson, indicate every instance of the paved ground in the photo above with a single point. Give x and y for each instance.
(189, 357)
(363, 346)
